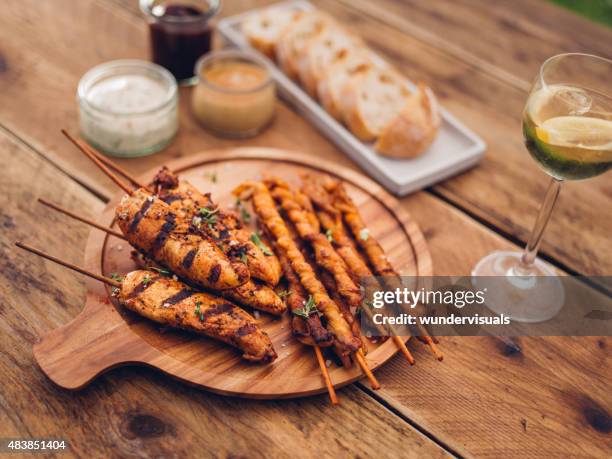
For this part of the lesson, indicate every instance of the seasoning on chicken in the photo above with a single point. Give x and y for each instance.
(150, 226)
(252, 294)
(170, 302)
(345, 342)
(224, 227)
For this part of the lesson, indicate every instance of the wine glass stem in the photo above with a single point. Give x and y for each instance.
(533, 244)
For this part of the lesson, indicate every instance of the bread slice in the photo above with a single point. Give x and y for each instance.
(331, 84)
(295, 36)
(413, 129)
(371, 99)
(321, 51)
(263, 29)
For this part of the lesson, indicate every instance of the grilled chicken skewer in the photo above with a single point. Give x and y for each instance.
(150, 226)
(345, 342)
(170, 302)
(250, 294)
(222, 226)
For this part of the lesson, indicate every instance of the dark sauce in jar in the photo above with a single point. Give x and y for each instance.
(180, 34)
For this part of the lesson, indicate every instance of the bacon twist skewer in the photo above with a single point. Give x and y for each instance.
(263, 203)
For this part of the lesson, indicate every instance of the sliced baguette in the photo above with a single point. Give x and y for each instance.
(321, 51)
(370, 100)
(294, 38)
(413, 129)
(264, 28)
(330, 85)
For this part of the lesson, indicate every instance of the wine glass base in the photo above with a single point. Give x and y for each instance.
(531, 297)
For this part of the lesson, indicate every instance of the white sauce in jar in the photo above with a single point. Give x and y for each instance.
(128, 108)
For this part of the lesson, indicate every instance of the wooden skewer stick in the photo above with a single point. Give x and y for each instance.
(76, 268)
(433, 347)
(328, 382)
(99, 163)
(113, 165)
(399, 342)
(80, 218)
(359, 356)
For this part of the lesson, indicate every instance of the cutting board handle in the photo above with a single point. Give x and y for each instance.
(95, 341)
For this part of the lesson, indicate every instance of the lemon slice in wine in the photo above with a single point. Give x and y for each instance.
(576, 131)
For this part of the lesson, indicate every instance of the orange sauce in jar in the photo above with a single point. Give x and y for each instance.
(235, 95)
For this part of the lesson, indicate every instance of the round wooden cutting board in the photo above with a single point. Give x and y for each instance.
(104, 335)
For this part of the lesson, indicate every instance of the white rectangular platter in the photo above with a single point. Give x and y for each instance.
(455, 148)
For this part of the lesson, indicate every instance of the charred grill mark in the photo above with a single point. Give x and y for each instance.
(217, 309)
(164, 232)
(178, 297)
(246, 330)
(140, 214)
(170, 198)
(188, 260)
(214, 274)
(142, 286)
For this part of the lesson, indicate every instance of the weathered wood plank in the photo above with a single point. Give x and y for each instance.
(509, 40)
(134, 411)
(547, 398)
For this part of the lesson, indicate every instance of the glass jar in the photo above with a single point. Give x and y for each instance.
(235, 95)
(128, 108)
(180, 32)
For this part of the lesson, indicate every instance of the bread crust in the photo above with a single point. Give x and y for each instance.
(414, 129)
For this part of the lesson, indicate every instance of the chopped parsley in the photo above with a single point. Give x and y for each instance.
(162, 271)
(198, 313)
(285, 293)
(208, 216)
(364, 234)
(309, 308)
(258, 242)
(244, 214)
(146, 280)
(116, 277)
(244, 258)
(329, 235)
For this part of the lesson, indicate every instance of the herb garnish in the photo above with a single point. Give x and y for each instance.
(162, 271)
(255, 239)
(309, 308)
(364, 234)
(116, 277)
(197, 311)
(209, 216)
(244, 258)
(146, 280)
(329, 235)
(285, 293)
(244, 214)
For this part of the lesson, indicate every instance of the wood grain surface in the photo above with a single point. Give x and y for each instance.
(104, 335)
(541, 397)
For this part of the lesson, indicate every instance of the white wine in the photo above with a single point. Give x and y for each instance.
(568, 130)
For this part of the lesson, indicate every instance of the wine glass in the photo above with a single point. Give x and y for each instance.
(567, 127)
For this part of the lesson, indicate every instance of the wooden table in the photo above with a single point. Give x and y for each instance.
(543, 397)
